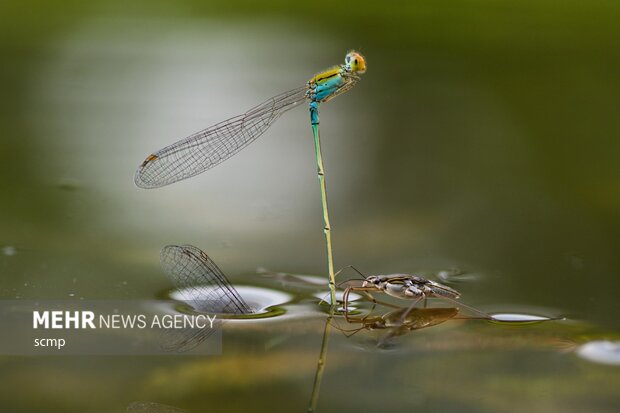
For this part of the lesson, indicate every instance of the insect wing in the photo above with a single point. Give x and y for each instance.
(200, 281)
(207, 148)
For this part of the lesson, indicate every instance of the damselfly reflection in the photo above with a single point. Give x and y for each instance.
(203, 286)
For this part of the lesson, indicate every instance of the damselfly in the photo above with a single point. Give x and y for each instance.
(207, 148)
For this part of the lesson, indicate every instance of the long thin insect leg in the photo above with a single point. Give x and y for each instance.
(345, 331)
(338, 285)
(357, 271)
(341, 270)
(364, 290)
(411, 307)
(383, 303)
(374, 303)
(475, 310)
(345, 300)
(353, 268)
(343, 282)
(355, 331)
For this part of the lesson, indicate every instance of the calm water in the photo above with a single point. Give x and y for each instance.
(483, 138)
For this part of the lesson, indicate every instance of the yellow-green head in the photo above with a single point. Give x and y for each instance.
(355, 62)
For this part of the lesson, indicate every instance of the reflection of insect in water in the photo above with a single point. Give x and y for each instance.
(202, 285)
(415, 319)
(396, 326)
(407, 287)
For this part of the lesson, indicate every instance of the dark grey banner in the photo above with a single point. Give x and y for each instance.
(102, 327)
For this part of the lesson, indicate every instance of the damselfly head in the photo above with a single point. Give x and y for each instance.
(355, 62)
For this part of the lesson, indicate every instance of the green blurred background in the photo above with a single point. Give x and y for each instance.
(484, 136)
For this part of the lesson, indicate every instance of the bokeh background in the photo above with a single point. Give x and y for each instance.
(483, 137)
